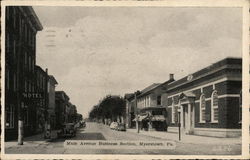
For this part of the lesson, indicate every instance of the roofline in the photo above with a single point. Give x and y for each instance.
(140, 95)
(53, 78)
(39, 26)
(203, 75)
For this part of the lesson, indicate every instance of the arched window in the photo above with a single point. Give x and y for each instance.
(202, 108)
(214, 107)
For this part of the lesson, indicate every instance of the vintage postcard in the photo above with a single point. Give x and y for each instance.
(125, 79)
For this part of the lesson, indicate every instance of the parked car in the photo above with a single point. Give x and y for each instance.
(121, 127)
(113, 125)
(67, 130)
(82, 124)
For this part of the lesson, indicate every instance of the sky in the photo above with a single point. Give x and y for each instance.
(95, 51)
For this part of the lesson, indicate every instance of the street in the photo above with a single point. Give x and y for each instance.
(96, 131)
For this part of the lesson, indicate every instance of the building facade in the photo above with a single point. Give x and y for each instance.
(41, 107)
(62, 102)
(148, 107)
(52, 101)
(130, 110)
(21, 27)
(208, 102)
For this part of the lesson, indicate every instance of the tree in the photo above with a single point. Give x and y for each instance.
(110, 107)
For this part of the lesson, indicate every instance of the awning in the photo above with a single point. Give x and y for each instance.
(141, 117)
(158, 118)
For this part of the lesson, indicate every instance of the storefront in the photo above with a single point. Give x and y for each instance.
(153, 118)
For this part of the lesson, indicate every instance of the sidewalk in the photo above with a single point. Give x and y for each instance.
(34, 140)
(191, 139)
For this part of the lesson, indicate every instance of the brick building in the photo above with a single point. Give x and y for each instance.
(209, 100)
(21, 27)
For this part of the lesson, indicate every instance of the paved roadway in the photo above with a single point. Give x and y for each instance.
(95, 131)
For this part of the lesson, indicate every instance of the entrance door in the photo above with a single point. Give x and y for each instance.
(185, 118)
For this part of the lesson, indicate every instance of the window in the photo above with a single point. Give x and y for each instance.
(25, 85)
(14, 50)
(25, 58)
(214, 108)
(7, 13)
(202, 108)
(158, 100)
(14, 17)
(7, 42)
(9, 118)
(7, 78)
(29, 69)
(148, 101)
(30, 89)
(14, 82)
(240, 108)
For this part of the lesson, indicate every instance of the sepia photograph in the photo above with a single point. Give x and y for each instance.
(123, 80)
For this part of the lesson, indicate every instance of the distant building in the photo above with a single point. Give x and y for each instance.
(62, 102)
(21, 27)
(151, 106)
(41, 107)
(130, 110)
(51, 101)
(72, 114)
(209, 100)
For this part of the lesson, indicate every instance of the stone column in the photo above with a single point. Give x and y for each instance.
(189, 118)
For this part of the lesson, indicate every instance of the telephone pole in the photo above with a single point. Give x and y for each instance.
(137, 116)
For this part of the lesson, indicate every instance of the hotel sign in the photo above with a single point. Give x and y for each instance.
(32, 95)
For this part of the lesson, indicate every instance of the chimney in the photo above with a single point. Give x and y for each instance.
(171, 76)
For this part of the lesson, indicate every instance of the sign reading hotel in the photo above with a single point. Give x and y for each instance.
(32, 95)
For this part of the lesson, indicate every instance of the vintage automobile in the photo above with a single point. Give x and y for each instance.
(67, 130)
(121, 127)
(82, 124)
(113, 125)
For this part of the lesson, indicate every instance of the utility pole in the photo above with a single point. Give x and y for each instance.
(179, 124)
(137, 116)
(20, 122)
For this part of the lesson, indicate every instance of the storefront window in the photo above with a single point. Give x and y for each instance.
(9, 117)
(202, 108)
(214, 108)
